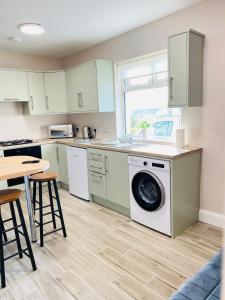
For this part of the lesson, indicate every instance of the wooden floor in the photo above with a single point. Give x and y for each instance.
(108, 256)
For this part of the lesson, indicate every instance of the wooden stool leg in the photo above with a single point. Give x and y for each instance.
(41, 215)
(2, 263)
(30, 252)
(59, 208)
(34, 195)
(16, 229)
(52, 204)
(3, 229)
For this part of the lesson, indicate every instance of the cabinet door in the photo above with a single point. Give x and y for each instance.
(37, 93)
(63, 168)
(13, 86)
(89, 87)
(49, 153)
(74, 89)
(117, 178)
(178, 70)
(97, 184)
(3, 183)
(55, 91)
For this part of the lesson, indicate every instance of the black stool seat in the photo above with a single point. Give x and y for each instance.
(49, 178)
(10, 197)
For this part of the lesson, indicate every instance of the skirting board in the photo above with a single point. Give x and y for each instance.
(211, 218)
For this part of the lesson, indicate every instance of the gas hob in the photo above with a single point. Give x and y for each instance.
(15, 142)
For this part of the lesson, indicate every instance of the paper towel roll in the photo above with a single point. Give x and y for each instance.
(180, 138)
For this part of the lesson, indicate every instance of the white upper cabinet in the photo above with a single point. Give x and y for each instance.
(185, 69)
(73, 89)
(55, 92)
(89, 95)
(13, 85)
(90, 87)
(37, 104)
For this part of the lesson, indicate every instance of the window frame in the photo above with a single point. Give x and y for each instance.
(121, 101)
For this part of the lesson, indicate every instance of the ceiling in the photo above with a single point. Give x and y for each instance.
(75, 25)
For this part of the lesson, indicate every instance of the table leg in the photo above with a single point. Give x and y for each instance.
(30, 209)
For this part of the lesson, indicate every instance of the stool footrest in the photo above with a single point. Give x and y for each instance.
(13, 228)
(48, 222)
(52, 231)
(14, 254)
(37, 208)
(9, 242)
(7, 220)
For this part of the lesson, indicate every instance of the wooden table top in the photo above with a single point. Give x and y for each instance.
(12, 167)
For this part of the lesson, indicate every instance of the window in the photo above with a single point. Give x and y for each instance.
(144, 84)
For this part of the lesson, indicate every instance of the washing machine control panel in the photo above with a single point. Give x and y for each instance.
(149, 163)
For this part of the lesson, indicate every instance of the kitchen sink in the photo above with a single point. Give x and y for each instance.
(120, 145)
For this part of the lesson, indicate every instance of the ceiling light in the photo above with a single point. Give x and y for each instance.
(31, 28)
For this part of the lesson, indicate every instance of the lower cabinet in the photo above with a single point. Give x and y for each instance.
(56, 155)
(108, 179)
(3, 183)
(97, 184)
(62, 164)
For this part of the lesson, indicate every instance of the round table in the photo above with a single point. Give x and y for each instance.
(13, 167)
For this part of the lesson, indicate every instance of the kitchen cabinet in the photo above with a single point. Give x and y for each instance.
(185, 69)
(108, 179)
(97, 184)
(37, 103)
(13, 86)
(57, 157)
(117, 176)
(3, 183)
(73, 89)
(62, 163)
(90, 87)
(49, 152)
(47, 93)
(55, 92)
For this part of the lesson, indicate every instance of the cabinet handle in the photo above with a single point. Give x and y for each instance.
(79, 100)
(171, 88)
(106, 163)
(57, 154)
(96, 176)
(46, 102)
(32, 102)
(95, 167)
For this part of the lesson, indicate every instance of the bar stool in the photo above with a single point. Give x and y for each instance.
(47, 177)
(9, 197)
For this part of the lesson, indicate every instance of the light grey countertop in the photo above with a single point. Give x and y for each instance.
(139, 148)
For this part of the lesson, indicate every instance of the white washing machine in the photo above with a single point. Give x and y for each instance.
(149, 181)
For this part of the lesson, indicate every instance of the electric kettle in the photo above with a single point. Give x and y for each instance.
(87, 134)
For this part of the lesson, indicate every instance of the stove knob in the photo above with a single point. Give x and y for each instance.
(145, 163)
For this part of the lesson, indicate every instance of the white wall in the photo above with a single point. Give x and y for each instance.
(206, 126)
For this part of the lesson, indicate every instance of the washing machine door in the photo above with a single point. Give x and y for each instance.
(148, 191)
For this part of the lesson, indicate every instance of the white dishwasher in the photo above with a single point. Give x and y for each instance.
(78, 172)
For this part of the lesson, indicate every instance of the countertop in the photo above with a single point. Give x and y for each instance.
(149, 150)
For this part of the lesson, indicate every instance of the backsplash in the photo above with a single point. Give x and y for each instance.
(105, 123)
(14, 124)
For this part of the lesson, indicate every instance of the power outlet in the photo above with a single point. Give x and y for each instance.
(106, 130)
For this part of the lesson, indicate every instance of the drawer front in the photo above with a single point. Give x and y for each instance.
(97, 184)
(96, 155)
(96, 166)
(96, 161)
